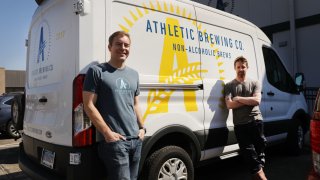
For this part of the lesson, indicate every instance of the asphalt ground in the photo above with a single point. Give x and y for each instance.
(9, 168)
(279, 165)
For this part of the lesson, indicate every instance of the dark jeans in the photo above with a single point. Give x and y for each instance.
(121, 158)
(252, 143)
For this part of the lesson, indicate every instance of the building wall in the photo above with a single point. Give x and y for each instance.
(308, 49)
(273, 17)
(11, 80)
(15, 80)
(305, 8)
(282, 44)
(2, 81)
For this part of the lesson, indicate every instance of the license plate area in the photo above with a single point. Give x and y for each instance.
(47, 158)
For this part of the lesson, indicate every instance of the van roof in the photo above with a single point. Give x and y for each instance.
(261, 35)
(223, 13)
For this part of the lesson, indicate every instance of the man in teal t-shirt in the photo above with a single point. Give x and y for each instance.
(110, 97)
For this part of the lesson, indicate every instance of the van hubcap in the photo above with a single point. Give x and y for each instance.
(12, 130)
(15, 112)
(173, 169)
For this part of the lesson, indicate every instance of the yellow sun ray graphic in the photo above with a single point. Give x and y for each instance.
(165, 7)
(134, 17)
(129, 23)
(189, 16)
(139, 12)
(159, 6)
(178, 10)
(146, 11)
(184, 12)
(152, 6)
(123, 28)
(171, 8)
(199, 26)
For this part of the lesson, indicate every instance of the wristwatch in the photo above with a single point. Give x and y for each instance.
(145, 130)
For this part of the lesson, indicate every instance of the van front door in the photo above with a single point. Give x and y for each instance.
(279, 92)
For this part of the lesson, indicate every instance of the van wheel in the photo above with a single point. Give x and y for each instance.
(171, 162)
(12, 131)
(17, 111)
(295, 140)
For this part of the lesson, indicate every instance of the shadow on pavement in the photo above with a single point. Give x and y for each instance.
(3, 136)
(279, 166)
(15, 176)
(9, 155)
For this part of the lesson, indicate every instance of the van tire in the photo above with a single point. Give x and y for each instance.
(17, 111)
(295, 139)
(160, 160)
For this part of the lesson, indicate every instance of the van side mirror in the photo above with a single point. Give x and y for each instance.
(299, 79)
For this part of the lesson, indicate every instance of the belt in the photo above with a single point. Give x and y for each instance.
(132, 138)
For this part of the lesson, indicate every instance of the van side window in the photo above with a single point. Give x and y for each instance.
(277, 75)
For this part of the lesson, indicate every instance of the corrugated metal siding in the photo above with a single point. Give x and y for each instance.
(15, 78)
(2, 80)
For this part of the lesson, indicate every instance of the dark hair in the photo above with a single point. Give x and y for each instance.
(242, 60)
(118, 33)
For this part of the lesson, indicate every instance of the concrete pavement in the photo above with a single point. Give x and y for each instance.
(9, 150)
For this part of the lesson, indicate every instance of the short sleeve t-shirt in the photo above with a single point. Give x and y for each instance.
(115, 89)
(244, 114)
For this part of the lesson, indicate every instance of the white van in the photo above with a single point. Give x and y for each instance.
(184, 53)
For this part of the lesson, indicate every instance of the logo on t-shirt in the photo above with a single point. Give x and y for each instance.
(123, 86)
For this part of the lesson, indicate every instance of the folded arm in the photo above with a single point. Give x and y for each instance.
(249, 101)
(239, 101)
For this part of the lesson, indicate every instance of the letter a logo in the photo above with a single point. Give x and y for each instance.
(42, 45)
(123, 85)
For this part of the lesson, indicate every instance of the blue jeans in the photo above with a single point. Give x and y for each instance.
(252, 143)
(121, 158)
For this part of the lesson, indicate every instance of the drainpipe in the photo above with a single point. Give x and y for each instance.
(295, 62)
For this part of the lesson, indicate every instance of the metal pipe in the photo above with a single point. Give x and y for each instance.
(295, 67)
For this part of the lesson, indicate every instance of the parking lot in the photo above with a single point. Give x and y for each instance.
(279, 165)
(9, 168)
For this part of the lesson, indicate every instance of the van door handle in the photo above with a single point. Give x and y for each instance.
(43, 100)
(270, 93)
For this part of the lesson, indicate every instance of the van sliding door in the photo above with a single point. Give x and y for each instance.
(221, 40)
